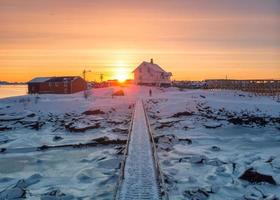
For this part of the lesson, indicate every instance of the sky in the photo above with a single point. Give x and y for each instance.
(193, 39)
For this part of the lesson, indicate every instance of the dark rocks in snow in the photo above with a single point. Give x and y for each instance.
(121, 130)
(98, 141)
(167, 123)
(120, 150)
(215, 148)
(13, 193)
(18, 191)
(56, 195)
(106, 141)
(118, 121)
(197, 193)
(164, 126)
(212, 125)
(202, 96)
(2, 150)
(6, 118)
(94, 112)
(57, 138)
(252, 176)
(5, 128)
(166, 142)
(33, 124)
(181, 114)
(31, 115)
(240, 120)
(170, 139)
(81, 126)
(118, 93)
(198, 159)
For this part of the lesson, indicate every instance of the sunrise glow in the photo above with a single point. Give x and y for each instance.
(195, 41)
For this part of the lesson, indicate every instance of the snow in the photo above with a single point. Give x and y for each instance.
(210, 167)
(195, 160)
(40, 79)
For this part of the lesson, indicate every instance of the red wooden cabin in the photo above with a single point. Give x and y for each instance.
(56, 85)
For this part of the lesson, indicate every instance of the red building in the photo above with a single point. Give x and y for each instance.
(56, 85)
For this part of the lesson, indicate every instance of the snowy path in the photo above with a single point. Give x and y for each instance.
(139, 173)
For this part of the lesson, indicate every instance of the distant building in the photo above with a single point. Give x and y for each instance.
(113, 82)
(56, 85)
(149, 73)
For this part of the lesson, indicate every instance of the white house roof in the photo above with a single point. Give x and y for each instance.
(152, 66)
(40, 80)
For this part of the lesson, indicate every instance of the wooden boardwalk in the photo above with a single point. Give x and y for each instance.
(139, 179)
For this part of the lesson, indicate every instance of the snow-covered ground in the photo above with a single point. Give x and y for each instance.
(63, 145)
(69, 147)
(207, 139)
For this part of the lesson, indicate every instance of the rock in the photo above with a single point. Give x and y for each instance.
(180, 114)
(56, 195)
(212, 125)
(81, 126)
(198, 159)
(121, 130)
(5, 128)
(164, 126)
(215, 148)
(118, 93)
(106, 141)
(202, 96)
(117, 121)
(13, 193)
(168, 120)
(7, 118)
(261, 121)
(31, 115)
(197, 194)
(19, 190)
(2, 150)
(253, 176)
(35, 178)
(189, 141)
(94, 112)
(57, 138)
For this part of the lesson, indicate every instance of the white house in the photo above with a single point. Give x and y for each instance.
(149, 73)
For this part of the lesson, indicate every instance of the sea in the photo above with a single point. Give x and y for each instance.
(12, 90)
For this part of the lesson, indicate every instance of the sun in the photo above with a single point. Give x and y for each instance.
(121, 77)
(121, 73)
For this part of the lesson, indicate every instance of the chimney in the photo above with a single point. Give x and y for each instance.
(152, 61)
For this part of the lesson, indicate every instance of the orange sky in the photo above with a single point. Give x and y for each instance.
(193, 39)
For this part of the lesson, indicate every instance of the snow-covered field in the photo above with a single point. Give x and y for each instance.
(68, 147)
(62, 145)
(207, 139)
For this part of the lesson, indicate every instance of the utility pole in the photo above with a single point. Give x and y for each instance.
(85, 72)
(101, 77)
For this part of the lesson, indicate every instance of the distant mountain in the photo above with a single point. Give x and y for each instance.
(11, 83)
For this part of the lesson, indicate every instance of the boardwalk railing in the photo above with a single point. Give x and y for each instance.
(121, 176)
(159, 175)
